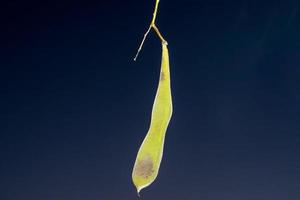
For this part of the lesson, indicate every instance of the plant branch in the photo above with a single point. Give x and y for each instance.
(152, 25)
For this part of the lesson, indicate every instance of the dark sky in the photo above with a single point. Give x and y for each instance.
(75, 106)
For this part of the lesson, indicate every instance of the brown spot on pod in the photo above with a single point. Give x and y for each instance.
(144, 167)
(162, 76)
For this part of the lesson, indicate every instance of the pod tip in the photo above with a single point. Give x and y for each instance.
(138, 190)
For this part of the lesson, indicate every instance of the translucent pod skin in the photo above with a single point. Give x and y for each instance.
(149, 156)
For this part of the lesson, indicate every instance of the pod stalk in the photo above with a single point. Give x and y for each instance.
(152, 25)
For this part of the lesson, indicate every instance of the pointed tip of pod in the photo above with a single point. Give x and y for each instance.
(139, 189)
(138, 192)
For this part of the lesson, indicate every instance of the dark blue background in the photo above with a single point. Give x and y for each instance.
(75, 106)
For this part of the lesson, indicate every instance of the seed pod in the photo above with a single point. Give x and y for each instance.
(149, 156)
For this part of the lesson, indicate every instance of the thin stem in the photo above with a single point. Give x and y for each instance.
(142, 43)
(155, 12)
(152, 25)
(159, 34)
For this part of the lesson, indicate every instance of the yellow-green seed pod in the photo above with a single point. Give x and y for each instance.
(148, 159)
